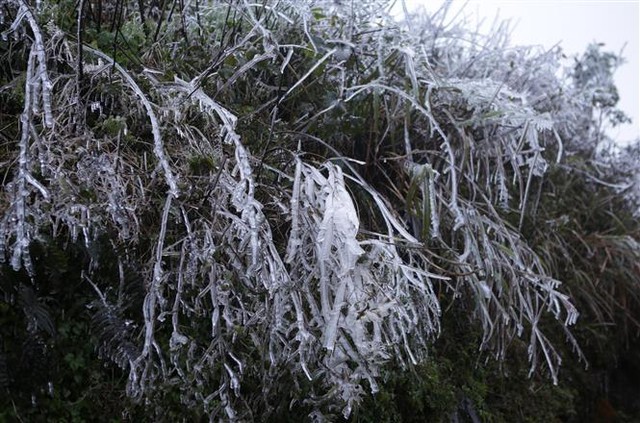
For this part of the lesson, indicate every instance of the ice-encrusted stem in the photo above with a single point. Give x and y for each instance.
(250, 208)
(38, 48)
(294, 237)
(149, 307)
(37, 90)
(158, 145)
(21, 246)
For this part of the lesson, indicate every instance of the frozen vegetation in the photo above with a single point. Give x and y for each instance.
(299, 187)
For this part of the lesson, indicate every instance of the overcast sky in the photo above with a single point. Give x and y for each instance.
(574, 24)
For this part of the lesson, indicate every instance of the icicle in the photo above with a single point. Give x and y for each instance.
(503, 192)
(433, 206)
(294, 241)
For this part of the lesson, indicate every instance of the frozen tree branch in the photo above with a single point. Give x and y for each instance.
(158, 148)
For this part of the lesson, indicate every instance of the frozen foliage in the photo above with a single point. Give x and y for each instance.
(253, 186)
(370, 299)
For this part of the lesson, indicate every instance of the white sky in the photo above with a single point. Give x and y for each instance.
(573, 24)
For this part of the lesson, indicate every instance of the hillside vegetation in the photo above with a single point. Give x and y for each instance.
(307, 210)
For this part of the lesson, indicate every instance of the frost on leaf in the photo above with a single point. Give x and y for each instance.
(371, 301)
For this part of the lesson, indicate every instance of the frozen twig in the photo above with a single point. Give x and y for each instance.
(158, 145)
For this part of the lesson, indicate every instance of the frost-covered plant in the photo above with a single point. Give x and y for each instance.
(299, 184)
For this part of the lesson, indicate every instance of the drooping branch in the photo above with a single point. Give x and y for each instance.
(158, 145)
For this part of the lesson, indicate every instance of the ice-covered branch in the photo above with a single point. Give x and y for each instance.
(158, 145)
(40, 73)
